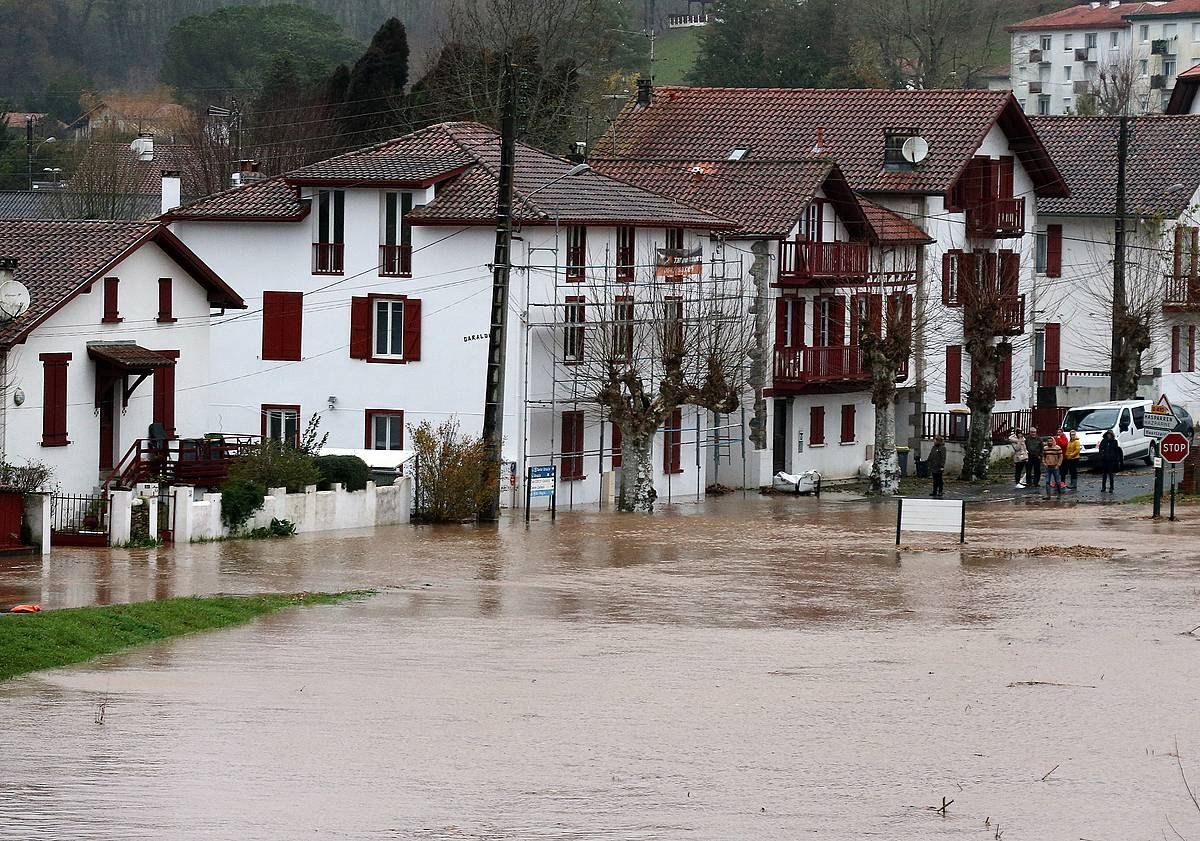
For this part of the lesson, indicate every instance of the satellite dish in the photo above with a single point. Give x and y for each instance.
(14, 299)
(915, 149)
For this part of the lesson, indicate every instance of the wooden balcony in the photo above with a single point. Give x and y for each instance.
(836, 367)
(1058, 377)
(329, 257)
(801, 262)
(955, 426)
(1011, 315)
(1181, 293)
(395, 261)
(996, 219)
(203, 462)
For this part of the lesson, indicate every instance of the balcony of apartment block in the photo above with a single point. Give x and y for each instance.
(395, 260)
(1010, 315)
(1088, 55)
(1071, 387)
(996, 218)
(1181, 293)
(802, 262)
(809, 369)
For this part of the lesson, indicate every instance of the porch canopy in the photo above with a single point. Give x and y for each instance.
(117, 362)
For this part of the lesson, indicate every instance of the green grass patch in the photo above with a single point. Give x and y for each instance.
(675, 53)
(30, 642)
(1148, 499)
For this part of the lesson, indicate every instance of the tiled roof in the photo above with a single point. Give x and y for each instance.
(272, 199)
(58, 259)
(418, 158)
(784, 123)
(129, 357)
(1184, 92)
(1079, 17)
(63, 204)
(890, 227)
(1164, 151)
(116, 165)
(1175, 7)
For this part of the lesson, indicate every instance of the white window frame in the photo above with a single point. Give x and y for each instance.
(395, 424)
(825, 326)
(1067, 72)
(277, 422)
(1043, 105)
(1114, 40)
(1144, 33)
(1047, 43)
(1090, 40)
(392, 327)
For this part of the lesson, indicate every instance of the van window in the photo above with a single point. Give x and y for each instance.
(1090, 420)
(1124, 420)
(1139, 416)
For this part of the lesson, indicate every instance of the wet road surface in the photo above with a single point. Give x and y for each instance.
(772, 669)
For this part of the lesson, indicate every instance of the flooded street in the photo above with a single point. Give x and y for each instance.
(771, 669)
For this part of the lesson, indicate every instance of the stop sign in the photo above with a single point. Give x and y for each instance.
(1174, 447)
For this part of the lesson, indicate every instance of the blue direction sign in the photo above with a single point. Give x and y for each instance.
(541, 481)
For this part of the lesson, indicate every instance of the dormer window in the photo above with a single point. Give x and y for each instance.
(893, 149)
(737, 153)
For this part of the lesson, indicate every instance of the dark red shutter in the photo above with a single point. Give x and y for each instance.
(1191, 348)
(1177, 257)
(1010, 273)
(1005, 187)
(616, 446)
(875, 313)
(796, 340)
(111, 311)
(164, 300)
(1175, 350)
(360, 328)
(164, 394)
(847, 423)
(1004, 376)
(572, 446)
(1054, 249)
(947, 269)
(837, 321)
(953, 373)
(781, 323)
(1051, 351)
(816, 425)
(412, 329)
(855, 317)
(283, 318)
(672, 443)
(816, 310)
(54, 399)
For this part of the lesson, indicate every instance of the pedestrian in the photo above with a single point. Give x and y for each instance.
(1020, 458)
(937, 466)
(1110, 460)
(1071, 460)
(1052, 456)
(1033, 444)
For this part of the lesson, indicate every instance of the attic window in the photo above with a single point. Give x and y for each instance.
(738, 153)
(893, 148)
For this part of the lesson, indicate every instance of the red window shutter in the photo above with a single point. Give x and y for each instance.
(1175, 350)
(1053, 346)
(1010, 273)
(947, 270)
(672, 443)
(1191, 348)
(111, 311)
(782, 305)
(572, 446)
(164, 394)
(360, 328)
(164, 300)
(1054, 250)
(816, 310)
(1004, 377)
(1006, 186)
(616, 446)
(412, 329)
(875, 313)
(847, 423)
(54, 399)
(855, 313)
(953, 373)
(283, 318)
(1177, 264)
(796, 340)
(816, 425)
(837, 321)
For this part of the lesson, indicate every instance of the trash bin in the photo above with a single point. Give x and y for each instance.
(922, 469)
(902, 455)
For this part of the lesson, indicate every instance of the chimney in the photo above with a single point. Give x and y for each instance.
(143, 146)
(818, 149)
(8, 268)
(578, 152)
(248, 171)
(171, 190)
(645, 92)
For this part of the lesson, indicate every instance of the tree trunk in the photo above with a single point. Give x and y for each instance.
(1125, 372)
(637, 473)
(981, 399)
(885, 469)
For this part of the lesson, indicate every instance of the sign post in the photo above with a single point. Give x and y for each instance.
(540, 482)
(1158, 423)
(1174, 448)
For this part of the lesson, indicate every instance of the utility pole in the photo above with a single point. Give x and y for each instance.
(1118, 298)
(29, 149)
(493, 400)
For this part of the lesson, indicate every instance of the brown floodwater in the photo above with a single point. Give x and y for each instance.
(765, 668)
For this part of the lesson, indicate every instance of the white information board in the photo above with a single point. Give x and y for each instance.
(931, 515)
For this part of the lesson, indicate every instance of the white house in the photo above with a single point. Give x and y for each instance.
(972, 190)
(1072, 352)
(115, 339)
(369, 279)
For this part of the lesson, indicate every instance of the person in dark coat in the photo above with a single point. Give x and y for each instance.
(1110, 460)
(1033, 443)
(937, 466)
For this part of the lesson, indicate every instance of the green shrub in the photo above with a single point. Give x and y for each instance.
(274, 464)
(240, 498)
(451, 471)
(351, 471)
(278, 528)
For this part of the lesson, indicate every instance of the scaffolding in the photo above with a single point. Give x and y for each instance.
(581, 316)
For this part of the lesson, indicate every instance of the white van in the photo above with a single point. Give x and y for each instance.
(1126, 420)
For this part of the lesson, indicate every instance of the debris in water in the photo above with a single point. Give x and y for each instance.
(1051, 683)
(1069, 552)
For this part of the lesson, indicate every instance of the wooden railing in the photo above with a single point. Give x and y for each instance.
(805, 366)
(681, 21)
(1011, 315)
(1181, 291)
(955, 426)
(996, 218)
(1058, 376)
(329, 257)
(395, 260)
(203, 462)
(801, 261)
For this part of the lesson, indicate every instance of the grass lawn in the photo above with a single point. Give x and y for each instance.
(675, 52)
(29, 642)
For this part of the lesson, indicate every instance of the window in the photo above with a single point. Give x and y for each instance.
(954, 263)
(282, 316)
(1169, 30)
(576, 252)
(1054, 249)
(573, 329)
(1066, 105)
(673, 327)
(622, 337)
(1040, 253)
(789, 323)
(395, 249)
(1168, 67)
(385, 328)
(953, 373)
(738, 153)
(1067, 73)
(1114, 39)
(1144, 32)
(54, 399)
(111, 314)
(571, 464)
(1089, 40)
(1047, 43)
(164, 301)
(816, 426)
(813, 221)
(848, 423)
(164, 394)
(281, 423)
(1183, 349)
(1067, 41)
(385, 430)
(893, 148)
(625, 252)
(674, 240)
(329, 249)
(1196, 31)
(1043, 105)
(673, 443)
(1143, 68)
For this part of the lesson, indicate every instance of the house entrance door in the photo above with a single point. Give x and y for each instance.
(108, 429)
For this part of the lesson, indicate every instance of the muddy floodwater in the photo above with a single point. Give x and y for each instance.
(767, 668)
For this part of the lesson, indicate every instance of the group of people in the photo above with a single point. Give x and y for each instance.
(1057, 456)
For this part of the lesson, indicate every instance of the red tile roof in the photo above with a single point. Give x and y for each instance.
(57, 260)
(1081, 16)
(115, 168)
(890, 227)
(1164, 152)
(269, 200)
(129, 357)
(1175, 7)
(783, 124)
(416, 159)
(1184, 92)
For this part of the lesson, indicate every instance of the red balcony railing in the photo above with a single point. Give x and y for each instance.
(801, 261)
(808, 366)
(955, 426)
(1058, 376)
(996, 219)
(329, 257)
(1010, 315)
(203, 462)
(1181, 292)
(395, 260)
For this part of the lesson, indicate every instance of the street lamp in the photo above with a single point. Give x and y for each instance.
(32, 151)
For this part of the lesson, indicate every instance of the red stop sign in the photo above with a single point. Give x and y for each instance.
(1174, 447)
